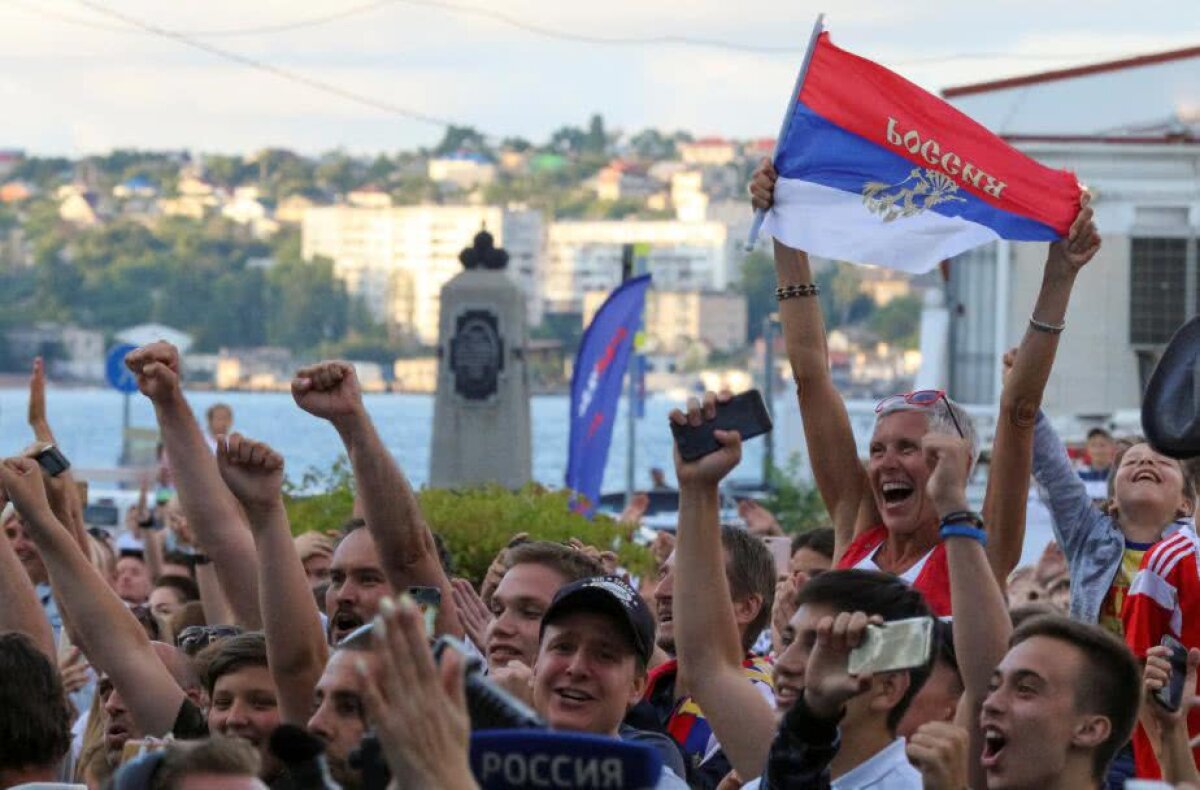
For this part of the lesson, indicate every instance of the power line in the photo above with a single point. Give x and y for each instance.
(291, 76)
(557, 34)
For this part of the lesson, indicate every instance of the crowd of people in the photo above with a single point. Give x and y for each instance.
(205, 646)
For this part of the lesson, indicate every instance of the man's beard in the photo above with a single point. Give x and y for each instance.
(342, 773)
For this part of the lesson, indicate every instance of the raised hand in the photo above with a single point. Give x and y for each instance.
(419, 709)
(74, 670)
(759, 520)
(252, 471)
(37, 395)
(762, 185)
(23, 486)
(1067, 256)
(938, 750)
(828, 684)
(156, 367)
(662, 546)
(472, 611)
(607, 559)
(633, 512)
(949, 460)
(784, 607)
(712, 468)
(328, 390)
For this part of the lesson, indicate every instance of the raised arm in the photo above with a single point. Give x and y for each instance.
(706, 633)
(107, 632)
(832, 450)
(210, 508)
(20, 609)
(296, 647)
(406, 549)
(1012, 449)
(64, 494)
(981, 622)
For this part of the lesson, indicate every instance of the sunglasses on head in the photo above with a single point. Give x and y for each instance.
(195, 638)
(925, 399)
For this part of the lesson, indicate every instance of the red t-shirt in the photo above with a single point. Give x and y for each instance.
(1164, 599)
(930, 575)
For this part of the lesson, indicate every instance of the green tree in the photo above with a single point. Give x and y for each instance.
(461, 138)
(309, 306)
(653, 145)
(845, 287)
(899, 321)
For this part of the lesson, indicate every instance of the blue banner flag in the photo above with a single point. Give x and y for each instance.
(596, 389)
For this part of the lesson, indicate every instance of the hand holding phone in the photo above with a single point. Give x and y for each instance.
(1170, 694)
(850, 647)
(893, 646)
(745, 413)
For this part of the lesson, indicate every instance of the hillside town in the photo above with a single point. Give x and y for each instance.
(386, 234)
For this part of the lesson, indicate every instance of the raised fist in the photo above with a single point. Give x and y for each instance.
(949, 459)
(156, 367)
(252, 470)
(1069, 255)
(21, 479)
(328, 390)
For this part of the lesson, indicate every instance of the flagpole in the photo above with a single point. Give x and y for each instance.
(761, 214)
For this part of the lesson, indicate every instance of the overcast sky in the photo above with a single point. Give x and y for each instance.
(74, 80)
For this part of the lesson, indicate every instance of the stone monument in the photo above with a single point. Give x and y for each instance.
(481, 425)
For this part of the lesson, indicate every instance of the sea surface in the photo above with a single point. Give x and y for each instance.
(88, 425)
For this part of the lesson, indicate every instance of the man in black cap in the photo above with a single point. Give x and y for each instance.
(596, 641)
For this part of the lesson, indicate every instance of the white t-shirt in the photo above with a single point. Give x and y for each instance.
(909, 577)
(888, 769)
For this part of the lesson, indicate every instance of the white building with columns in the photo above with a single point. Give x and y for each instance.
(1130, 130)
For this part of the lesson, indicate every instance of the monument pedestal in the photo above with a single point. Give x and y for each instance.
(481, 423)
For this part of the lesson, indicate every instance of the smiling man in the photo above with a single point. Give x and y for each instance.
(536, 571)
(597, 637)
(1062, 702)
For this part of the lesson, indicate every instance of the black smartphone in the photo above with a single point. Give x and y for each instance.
(1170, 696)
(745, 413)
(52, 460)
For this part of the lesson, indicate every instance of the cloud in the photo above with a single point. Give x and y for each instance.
(71, 88)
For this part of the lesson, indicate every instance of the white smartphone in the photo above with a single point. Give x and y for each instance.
(900, 644)
(781, 552)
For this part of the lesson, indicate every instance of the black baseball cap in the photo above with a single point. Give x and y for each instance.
(1171, 406)
(609, 595)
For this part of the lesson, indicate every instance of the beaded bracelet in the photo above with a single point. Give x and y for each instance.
(792, 291)
(969, 517)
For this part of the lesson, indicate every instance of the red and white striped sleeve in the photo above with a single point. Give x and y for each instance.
(1167, 584)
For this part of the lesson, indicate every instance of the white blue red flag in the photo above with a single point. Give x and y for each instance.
(873, 169)
(596, 389)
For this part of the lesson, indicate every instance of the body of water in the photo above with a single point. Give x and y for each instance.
(88, 422)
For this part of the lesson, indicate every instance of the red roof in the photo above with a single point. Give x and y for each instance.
(711, 141)
(1076, 71)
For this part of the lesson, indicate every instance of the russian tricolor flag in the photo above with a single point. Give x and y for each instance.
(873, 169)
